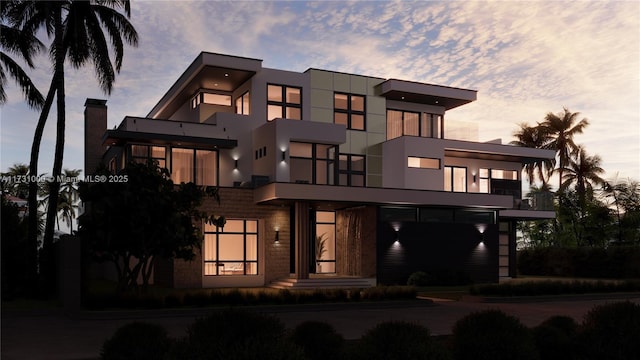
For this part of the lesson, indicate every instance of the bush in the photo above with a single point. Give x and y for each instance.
(492, 335)
(389, 293)
(534, 288)
(611, 331)
(399, 340)
(136, 341)
(233, 334)
(555, 338)
(418, 278)
(319, 340)
(438, 277)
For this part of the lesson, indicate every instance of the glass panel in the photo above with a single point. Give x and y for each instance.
(357, 180)
(341, 118)
(343, 162)
(484, 186)
(357, 103)
(231, 268)
(474, 217)
(437, 119)
(274, 93)
(326, 216)
(342, 179)
(205, 167)
(357, 122)
(231, 247)
(327, 233)
(394, 124)
(436, 215)
(210, 268)
(251, 268)
(182, 165)
(497, 174)
(321, 172)
(413, 162)
(293, 113)
(252, 226)
(340, 101)
(274, 111)
(246, 104)
(447, 178)
(459, 179)
(158, 152)
(252, 247)
(139, 150)
(427, 163)
(397, 214)
(239, 105)
(484, 173)
(300, 149)
(411, 124)
(323, 151)
(301, 170)
(210, 247)
(217, 99)
(425, 125)
(357, 163)
(233, 226)
(293, 95)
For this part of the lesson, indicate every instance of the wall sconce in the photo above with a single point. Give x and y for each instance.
(474, 178)
(277, 236)
(283, 155)
(397, 236)
(236, 164)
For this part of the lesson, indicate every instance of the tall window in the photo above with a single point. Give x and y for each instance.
(325, 242)
(349, 110)
(409, 123)
(455, 179)
(242, 104)
(189, 165)
(351, 170)
(284, 102)
(486, 175)
(232, 250)
(142, 153)
(312, 163)
(209, 98)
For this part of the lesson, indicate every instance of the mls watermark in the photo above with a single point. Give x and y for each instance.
(22, 179)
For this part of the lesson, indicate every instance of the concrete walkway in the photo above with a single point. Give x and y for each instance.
(53, 335)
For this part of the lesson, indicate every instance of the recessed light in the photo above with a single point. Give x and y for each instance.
(402, 98)
(226, 74)
(215, 84)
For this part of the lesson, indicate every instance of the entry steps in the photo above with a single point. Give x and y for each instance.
(324, 283)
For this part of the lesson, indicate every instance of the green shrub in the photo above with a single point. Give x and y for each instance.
(399, 341)
(172, 301)
(136, 341)
(418, 278)
(555, 338)
(389, 293)
(233, 334)
(199, 299)
(555, 287)
(492, 335)
(319, 340)
(611, 331)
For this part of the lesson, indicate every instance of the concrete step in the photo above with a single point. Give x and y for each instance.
(323, 283)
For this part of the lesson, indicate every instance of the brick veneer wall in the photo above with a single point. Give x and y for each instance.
(237, 203)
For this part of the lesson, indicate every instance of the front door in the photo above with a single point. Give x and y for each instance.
(323, 243)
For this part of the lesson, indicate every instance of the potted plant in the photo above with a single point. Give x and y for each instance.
(320, 250)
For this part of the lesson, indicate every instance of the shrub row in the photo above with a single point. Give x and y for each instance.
(608, 332)
(620, 262)
(238, 297)
(535, 288)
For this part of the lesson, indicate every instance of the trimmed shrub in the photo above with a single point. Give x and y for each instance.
(234, 334)
(397, 340)
(611, 332)
(418, 278)
(319, 340)
(555, 338)
(492, 335)
(534, 288)
(136, 341)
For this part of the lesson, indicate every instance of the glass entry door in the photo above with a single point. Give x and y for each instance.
(323, 243)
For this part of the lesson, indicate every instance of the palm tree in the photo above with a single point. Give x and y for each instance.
(584, 171)
(534, 137)
(561, 128)
(21, 43)
(78, 30)
(15, 186)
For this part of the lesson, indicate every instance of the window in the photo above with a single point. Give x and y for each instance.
(351, 170)
(143, 153)
(409, 123)
(325, 245)
(486, 175)
(189, 165)
(423, 163)
(349, 110)
(242, 104)
(284, 102)
(232, 250)
(213, 99)
(312, 163)
(455, 179)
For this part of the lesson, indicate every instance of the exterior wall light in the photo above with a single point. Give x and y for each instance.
(283, 155)
(236, 164)
(277, 236)
(474, 178)
(397, 236)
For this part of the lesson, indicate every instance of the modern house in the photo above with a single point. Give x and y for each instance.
(324, 175)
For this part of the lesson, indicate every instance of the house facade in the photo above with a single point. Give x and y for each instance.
(324, 174)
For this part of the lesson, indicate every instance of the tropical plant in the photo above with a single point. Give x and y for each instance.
(534, 137)
(584, 171)
(560, 129)
(25, 45)
(624, 198)
(14, 180)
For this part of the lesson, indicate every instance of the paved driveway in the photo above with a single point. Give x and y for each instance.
(52, 335)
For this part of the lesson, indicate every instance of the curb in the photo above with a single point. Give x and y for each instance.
(548, 298)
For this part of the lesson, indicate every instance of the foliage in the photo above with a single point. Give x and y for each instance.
(319, 340)
(134, 222)
(397, 340)
(438, 277)
(611, 331)
(492, 335)
(556, 338)
(136, 341)
(14, 249)
(320, 246)
(233, 334)
(554, 287)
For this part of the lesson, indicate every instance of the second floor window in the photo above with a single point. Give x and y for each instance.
(351, 170)
(284, 102)
(242, 104)
(455, 179)
(486, 175)
(190, 165)
(312, 163)
(410, 123)
(349, 110)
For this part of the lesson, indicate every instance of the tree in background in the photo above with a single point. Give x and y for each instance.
(133, 223)
(534, 137)
(584, 172)
(623, 196)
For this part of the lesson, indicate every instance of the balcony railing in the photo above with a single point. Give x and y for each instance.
(539, 201)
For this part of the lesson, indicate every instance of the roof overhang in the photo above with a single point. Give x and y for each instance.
(422, 93)
(121, 137)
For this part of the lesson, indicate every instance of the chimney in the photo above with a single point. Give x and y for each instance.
(95, 125)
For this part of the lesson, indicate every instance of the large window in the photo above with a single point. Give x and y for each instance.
(351, 170)
(232, 250)
(349, 110)
(455, 179)
(423, 163)
(312, 163)
(242, 104)
(409, 123)
(209, 98)
(325, 242)
(486, 175)
(284, 102)
(143, 153)
(189, 165)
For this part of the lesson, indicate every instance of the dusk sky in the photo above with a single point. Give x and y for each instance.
(524, 58)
